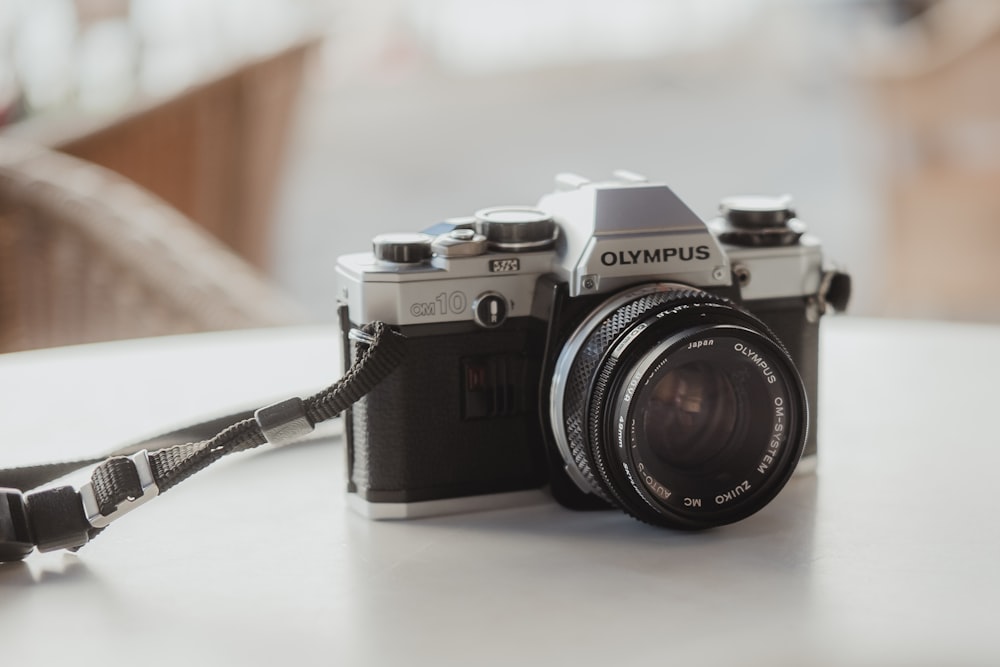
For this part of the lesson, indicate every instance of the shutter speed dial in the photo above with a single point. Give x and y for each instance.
(516, 228)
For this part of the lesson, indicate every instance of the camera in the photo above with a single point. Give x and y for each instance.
(607, 344)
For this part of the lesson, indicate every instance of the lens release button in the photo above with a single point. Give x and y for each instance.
(490, 310)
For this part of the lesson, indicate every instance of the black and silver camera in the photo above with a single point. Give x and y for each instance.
(608, 344)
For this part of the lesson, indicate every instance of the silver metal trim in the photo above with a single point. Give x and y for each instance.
(806, 466)
(444, 506)
(502, 246)
(284, 422)
(569, 181)
(778, 272)
(560, 373)
(146, 483)
(359, 336)
(458, 244)
(630, 176)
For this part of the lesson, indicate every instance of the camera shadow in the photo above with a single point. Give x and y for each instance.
(778, 539)
(39, 569)
(552, 575)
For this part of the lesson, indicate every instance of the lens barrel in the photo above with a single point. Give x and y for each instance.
(678, 406)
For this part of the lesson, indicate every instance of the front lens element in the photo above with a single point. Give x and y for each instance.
(689, 415)
(701, 421)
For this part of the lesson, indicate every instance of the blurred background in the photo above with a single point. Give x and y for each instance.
(295, 130)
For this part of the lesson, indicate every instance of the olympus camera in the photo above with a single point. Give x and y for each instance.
(606, 343)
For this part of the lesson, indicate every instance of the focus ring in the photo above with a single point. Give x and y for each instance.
(586, 365)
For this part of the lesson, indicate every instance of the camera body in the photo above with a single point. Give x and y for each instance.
(500, 309)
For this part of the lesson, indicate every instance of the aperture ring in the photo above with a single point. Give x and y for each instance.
(602, 390)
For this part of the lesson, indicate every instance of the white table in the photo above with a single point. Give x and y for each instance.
(890, 555)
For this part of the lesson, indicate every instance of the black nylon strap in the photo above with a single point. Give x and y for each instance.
(26, 478)
(29, 477)
(57, 515)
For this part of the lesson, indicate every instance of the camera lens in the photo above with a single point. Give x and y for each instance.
(689, 415)
(678, 406)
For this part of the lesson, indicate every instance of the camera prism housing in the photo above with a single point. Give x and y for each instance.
(607, 344)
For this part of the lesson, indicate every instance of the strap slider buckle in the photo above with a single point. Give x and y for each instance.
(361, 336)
(147, 484)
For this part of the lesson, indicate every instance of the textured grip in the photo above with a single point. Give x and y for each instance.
(409, 439)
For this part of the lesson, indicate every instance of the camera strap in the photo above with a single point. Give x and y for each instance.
(65, 517)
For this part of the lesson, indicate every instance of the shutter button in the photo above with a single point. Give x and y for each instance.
(459, 243)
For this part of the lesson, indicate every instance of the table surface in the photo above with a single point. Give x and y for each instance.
(889, 555)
